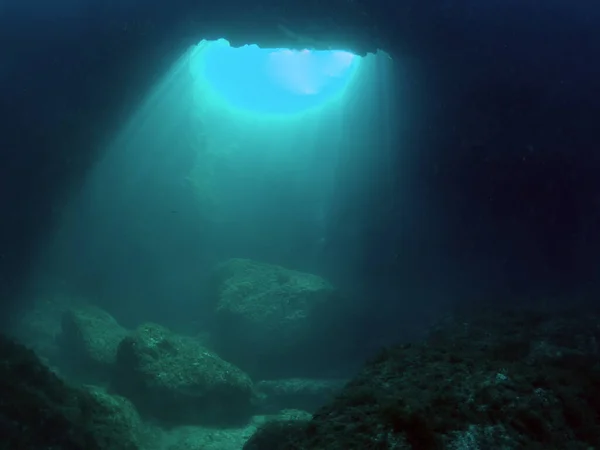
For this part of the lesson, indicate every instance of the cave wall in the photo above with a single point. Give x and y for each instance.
(508, 156)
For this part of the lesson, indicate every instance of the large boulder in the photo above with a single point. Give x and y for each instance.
(89, 341)
(39, 410)
(179, 381)
(497, 381)
(119, 416)
(272, 321)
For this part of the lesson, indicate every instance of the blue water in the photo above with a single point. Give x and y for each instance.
(414, 160)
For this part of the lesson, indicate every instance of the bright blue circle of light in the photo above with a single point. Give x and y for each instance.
(276, 81)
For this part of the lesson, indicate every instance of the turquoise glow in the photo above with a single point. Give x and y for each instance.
(275, 81)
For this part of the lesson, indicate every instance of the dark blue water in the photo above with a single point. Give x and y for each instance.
(480, 185)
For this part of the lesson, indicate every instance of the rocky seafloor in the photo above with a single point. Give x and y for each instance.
(499, 380)
(494, 379)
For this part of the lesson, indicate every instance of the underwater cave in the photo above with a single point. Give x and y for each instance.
(267, 153)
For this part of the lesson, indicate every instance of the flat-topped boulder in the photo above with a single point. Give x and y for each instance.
(177, 380)
(268, 318)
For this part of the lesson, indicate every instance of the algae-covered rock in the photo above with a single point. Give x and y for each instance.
(477, 383)
(89, 341)
(269, 318)
(117, 415)
(40, 411)
(177, 380)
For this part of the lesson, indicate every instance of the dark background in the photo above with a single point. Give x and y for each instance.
(506, 148)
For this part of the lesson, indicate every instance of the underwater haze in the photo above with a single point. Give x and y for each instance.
(299, 225)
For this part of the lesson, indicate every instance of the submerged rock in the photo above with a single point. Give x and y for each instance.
(498, 381)
(89, 341)
(178, 381)
(120, 417)
(273, 321)
(279, 431)
(296, 393)
(39, 326)
(40, 411)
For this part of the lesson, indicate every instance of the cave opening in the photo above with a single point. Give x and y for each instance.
(266, 154)
(271, 81)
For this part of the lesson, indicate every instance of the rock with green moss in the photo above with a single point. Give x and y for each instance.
(269, 318)
(40, 411)
(117, 415)
(179, 381)
(89, 341)
(495, 381)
